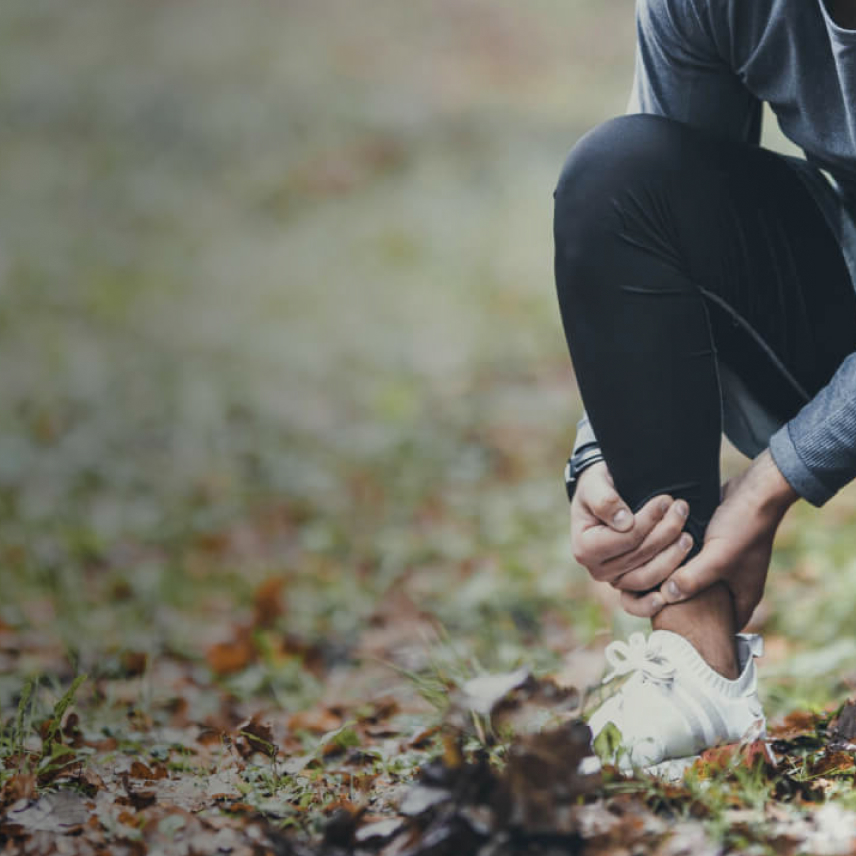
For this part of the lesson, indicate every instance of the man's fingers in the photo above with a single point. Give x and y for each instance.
(642, 605)
(696, 575)
(602, 499)
(664, 534)
(654, 572)
(595, 546)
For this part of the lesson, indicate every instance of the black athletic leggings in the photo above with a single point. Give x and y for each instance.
(678, 252)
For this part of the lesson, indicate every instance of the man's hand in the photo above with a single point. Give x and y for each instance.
(633, 553)
(739, 539)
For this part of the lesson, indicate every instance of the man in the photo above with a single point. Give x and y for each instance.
(706, 284)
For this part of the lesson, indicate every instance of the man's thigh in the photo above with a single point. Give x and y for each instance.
(781, 304)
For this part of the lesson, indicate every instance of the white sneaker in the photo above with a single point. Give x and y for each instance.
(675, 705)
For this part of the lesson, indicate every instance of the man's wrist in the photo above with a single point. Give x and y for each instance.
(581, 460)
(773, 490)
(593, 468)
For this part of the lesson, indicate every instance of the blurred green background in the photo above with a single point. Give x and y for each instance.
(276, 300)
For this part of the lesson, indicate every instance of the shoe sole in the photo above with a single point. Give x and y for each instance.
(672, 770)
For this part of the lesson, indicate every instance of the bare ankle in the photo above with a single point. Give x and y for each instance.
(708, 623)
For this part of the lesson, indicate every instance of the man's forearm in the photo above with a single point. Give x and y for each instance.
(816, 450)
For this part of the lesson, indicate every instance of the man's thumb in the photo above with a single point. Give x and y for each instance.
(690, 579)
(607, 505)
(622, 520)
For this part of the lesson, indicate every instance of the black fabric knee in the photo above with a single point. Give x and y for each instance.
(676, 251)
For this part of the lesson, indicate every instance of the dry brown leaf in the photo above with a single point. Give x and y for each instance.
(514, 702)
(844, 726)
(535, 705)
(139, 770)
(423, 738)
(253, 736)
(212, 737)
(341, 827)
(108, 744)
(267, 602)
(225, 658)
(89, 781)
(482, 694)
(239, 807)
(22, 785)
(310, 654)
(718, 759)
(315, 720)
(544, 778)
(453, 757)
(213, 542)
(833, 763)
(134, 663)
(618, 825)
(134, 797)
(71, 731)
(798, 723)
(381, 710)
(381, 731)
(63, 812)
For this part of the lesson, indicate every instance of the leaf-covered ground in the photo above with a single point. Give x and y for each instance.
(285, 406)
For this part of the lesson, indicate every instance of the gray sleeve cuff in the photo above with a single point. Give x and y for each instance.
(797, 474)
(585, 435)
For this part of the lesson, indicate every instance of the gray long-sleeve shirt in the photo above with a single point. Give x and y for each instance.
(712, 63)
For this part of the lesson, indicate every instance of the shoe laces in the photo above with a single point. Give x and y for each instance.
(639, 655)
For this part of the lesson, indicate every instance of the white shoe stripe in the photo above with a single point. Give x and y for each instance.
(681, 699)
(715, 727)
(721, 730)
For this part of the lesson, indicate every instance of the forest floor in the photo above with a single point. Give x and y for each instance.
(285, 408)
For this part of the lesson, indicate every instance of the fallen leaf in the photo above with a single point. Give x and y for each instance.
(420, 798)
(534, 706)
(379, 831)
(833, 764)
(844, 725)
(63, 812)
(21, 785)
(139, 770)
(340, 829)
(315, 720)
(311, 655)
(267, 602)
(719, 759)
(423, 738)
(225, 658)
(544, 781)
(453, 757)
(134, 797)
(134, 663)
(253, 736)
(71, 731)
(380, 710)
(480, 695)
(796, 725)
